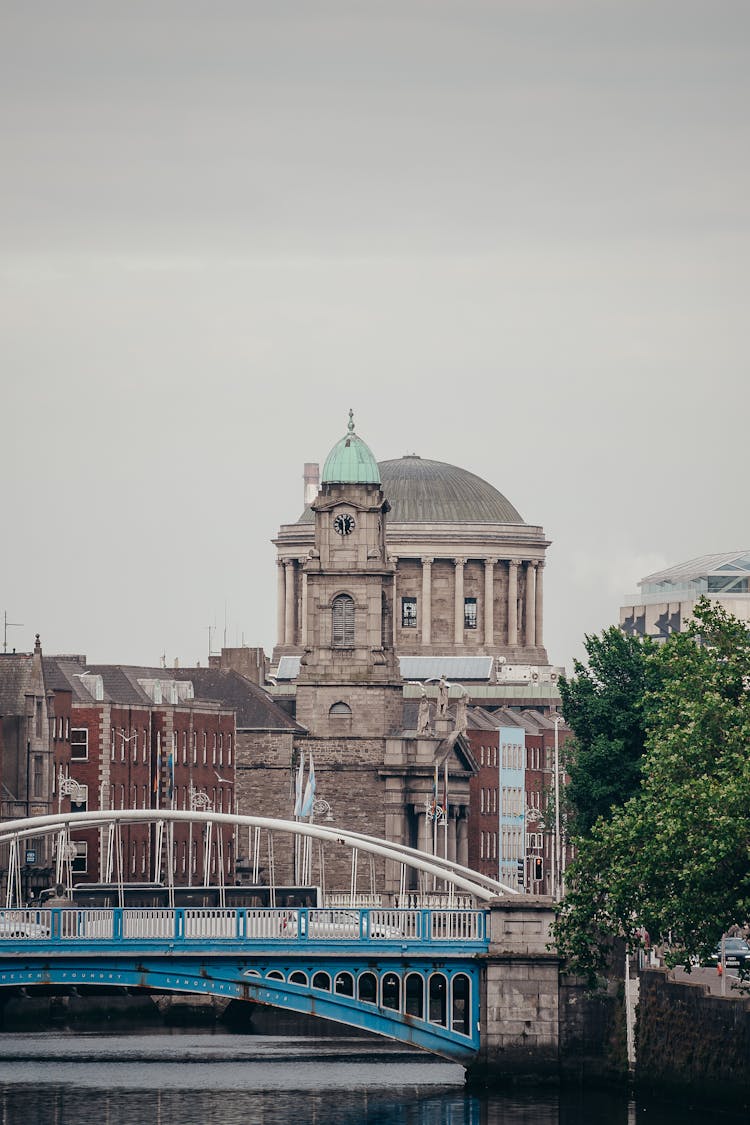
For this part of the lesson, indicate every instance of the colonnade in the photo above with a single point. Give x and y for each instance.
(449, 840)
(290, 632)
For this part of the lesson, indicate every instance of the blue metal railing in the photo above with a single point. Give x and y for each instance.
(456, 928)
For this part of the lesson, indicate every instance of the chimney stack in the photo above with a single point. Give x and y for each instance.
(312, 481)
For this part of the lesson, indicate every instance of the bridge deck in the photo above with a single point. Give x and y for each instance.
(412, 975)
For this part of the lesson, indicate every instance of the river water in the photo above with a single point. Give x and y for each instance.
(69, 1078)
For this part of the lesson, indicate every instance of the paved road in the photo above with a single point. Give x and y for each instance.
(711, 978)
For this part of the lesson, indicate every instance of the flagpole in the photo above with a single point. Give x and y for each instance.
(297, 811)
(434, 820)
(445, 807)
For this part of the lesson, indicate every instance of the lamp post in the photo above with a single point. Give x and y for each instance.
(199, 802)
(556, 865)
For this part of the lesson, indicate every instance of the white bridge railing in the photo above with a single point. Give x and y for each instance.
(188, 924)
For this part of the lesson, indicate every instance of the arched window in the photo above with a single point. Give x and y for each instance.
(344, 984)
(341, 709)
(367, 988)
(415, 996)
(343, 621)
(460, 987)
(298, 978)
(391, 992)
(437, 999)
(323, 981)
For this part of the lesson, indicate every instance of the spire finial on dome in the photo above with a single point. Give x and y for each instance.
(350, 426)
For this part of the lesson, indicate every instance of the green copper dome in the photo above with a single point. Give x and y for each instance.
(350, 461)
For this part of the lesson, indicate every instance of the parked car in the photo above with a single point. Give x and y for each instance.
(338, 924)
(22, 924)
(736, 953)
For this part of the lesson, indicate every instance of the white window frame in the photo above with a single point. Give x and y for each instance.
(79, 757)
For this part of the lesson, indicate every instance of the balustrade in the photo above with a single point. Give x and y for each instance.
(194, 925)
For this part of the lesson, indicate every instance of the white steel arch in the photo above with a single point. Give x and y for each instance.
(462, 878)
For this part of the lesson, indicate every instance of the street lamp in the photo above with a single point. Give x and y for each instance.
(321, 807)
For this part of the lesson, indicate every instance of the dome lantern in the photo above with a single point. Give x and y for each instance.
(350, 461)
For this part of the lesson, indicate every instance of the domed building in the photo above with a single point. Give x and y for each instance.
(468, 571)
(398, 575)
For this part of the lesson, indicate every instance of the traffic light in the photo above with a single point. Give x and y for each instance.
(521, 870)
(538, 867)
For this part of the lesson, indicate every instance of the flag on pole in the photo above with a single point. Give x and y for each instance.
(307, 803)
(298, 790)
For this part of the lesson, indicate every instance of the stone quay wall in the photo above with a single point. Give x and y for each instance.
(537, 1024)
(691, 1043)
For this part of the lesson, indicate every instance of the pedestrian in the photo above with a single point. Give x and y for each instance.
(58, 897)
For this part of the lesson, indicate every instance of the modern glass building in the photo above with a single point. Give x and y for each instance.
(667, 598)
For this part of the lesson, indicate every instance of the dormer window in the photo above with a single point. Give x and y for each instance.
(343, 622)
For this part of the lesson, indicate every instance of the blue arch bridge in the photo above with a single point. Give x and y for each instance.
(414, 969)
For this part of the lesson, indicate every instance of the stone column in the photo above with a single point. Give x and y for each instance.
(396, 607)
(452, 836)
(462, 838)
(530, 603)
(512, 602)
(489, 601)
(424, 831)
(303, 611)
(280, 602)
(458, 623)
(426, 601)
(289, 602)
(539, 610)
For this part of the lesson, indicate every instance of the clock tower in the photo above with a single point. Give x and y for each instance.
(349, 673)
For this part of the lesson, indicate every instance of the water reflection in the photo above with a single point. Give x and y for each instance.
(194, 1079)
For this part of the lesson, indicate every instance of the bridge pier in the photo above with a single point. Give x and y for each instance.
(520, 1005)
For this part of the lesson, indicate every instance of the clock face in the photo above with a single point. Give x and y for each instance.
(344, 525)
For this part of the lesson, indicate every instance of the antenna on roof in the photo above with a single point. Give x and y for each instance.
(9, 625)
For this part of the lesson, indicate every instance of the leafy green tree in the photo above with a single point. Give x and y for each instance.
(603, 705)
(675, 859)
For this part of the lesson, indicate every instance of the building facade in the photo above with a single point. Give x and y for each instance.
(666, 599)
(140, 739)
(468, 572)
(34, 739)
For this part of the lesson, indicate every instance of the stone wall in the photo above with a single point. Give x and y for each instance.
(691, 1043)
(593, 1047)
(537, 1023)
(519, 1022)
(347, 777)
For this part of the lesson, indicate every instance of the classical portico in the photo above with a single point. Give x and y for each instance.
(468, 571)
(495, 605)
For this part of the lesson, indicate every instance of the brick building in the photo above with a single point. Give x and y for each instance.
(265, 759)
(141, 739)
(512, 823)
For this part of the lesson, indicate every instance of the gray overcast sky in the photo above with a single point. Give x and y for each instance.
(512, 235)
